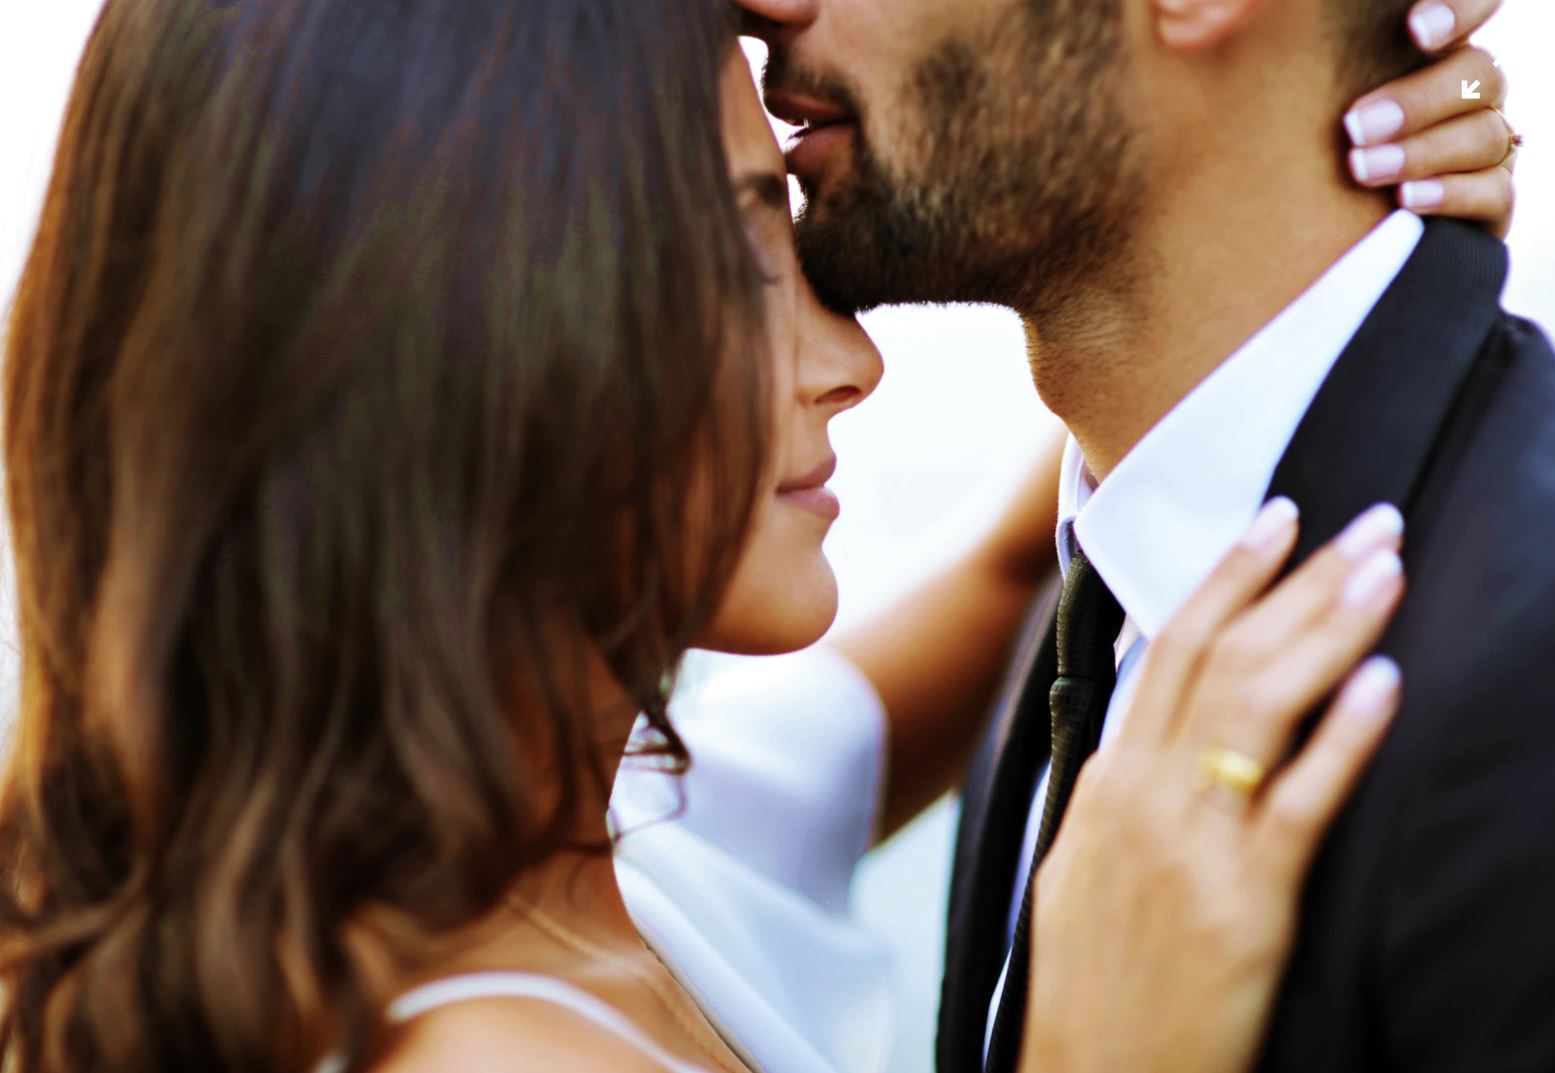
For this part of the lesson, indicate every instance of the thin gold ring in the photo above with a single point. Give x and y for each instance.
(1514, 140)
(1234, 771)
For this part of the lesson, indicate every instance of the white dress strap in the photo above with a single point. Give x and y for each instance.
(483, 985)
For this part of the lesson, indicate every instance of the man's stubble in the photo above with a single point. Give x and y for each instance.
(1011, 179)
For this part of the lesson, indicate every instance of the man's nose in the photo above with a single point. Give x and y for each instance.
(769, 18)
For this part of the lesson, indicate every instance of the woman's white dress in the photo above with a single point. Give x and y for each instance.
(738, 875)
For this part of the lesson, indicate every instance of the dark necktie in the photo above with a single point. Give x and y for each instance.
(1089, 620)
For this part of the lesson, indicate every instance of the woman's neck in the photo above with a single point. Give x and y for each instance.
(574, 886)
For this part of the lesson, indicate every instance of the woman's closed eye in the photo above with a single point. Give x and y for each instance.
(763, 199)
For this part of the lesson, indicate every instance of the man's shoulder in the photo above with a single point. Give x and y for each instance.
(1433, 889)
(1491, 486)
(1523, 352)
(1520, 351)
(1476, 633)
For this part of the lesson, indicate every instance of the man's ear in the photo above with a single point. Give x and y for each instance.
(1194, 25)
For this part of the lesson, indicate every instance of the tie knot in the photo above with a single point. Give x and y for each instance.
(1089, 621)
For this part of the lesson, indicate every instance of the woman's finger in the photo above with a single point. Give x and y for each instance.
(1436, 24)
(1261, 722)
(1268, 628)
(1173, 657)
(1301, 804)
(1469, 143)
(1421, 100)
(1486, 196)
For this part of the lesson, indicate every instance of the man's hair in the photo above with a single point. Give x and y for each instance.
(1373, 41)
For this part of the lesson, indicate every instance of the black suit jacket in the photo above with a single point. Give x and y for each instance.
(1428, 931)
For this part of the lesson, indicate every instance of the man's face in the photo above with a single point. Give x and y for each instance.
(962, 150)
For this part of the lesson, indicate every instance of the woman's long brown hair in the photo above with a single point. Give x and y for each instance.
(366, 375)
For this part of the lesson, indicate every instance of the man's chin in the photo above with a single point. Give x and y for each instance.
(864, 238)
(840, 282)
(856, 261)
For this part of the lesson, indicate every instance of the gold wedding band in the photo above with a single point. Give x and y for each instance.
(1234, 771)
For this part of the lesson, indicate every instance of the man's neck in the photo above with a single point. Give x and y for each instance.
(1220, 256)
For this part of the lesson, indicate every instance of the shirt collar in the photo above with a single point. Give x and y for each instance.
(1171, 510)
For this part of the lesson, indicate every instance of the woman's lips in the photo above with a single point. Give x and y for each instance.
(809, 491)
(820, 501)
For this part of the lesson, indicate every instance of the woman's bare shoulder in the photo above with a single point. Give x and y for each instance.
(512, 1035)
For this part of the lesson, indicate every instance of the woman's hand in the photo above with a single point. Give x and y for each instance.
(1448, 156)
(1166, 911)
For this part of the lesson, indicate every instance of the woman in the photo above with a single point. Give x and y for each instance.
(390, 403)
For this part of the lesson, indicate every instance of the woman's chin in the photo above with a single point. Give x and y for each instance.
(781, 615)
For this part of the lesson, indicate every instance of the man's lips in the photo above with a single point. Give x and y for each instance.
(802, 110)
(824, 128)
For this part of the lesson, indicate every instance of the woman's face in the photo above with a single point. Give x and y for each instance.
(784, 595)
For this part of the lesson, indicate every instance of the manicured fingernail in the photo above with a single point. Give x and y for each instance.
(1433, 25)
(1374, 122)
(1372, 689)
(1376, 165)
(1377, 577)
(1381, 525)
(1424, 194)
(1272, 524)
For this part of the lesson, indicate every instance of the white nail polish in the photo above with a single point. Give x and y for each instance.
(1371, 689)
(1433, 25)
(1273, 521)
(1423, 194)
(1382, 524)
(1352, 125)
(1376, 577)
(1375, 122)
(1383, 162)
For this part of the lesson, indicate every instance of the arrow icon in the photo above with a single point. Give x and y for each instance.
(1471, 92)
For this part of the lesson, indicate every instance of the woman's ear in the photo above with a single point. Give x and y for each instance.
(1195, 25)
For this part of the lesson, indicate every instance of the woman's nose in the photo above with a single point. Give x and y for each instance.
(763, 17)
(839, 365)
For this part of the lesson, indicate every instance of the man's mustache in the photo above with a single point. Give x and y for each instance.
(781, 76)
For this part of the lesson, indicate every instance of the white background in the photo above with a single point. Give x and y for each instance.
(922, 463)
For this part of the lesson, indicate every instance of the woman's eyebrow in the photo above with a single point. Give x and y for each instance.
(769, 186)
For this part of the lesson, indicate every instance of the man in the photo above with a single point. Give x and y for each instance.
(1219, 318)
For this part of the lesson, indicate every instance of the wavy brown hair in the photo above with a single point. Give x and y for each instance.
(369, 362)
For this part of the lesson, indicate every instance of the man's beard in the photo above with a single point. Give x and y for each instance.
(1012, 184)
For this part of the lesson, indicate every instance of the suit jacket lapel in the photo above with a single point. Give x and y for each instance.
(994, 809)
(1369, 435)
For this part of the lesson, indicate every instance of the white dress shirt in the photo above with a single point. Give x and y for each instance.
(1156, 528)
(743, 893)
